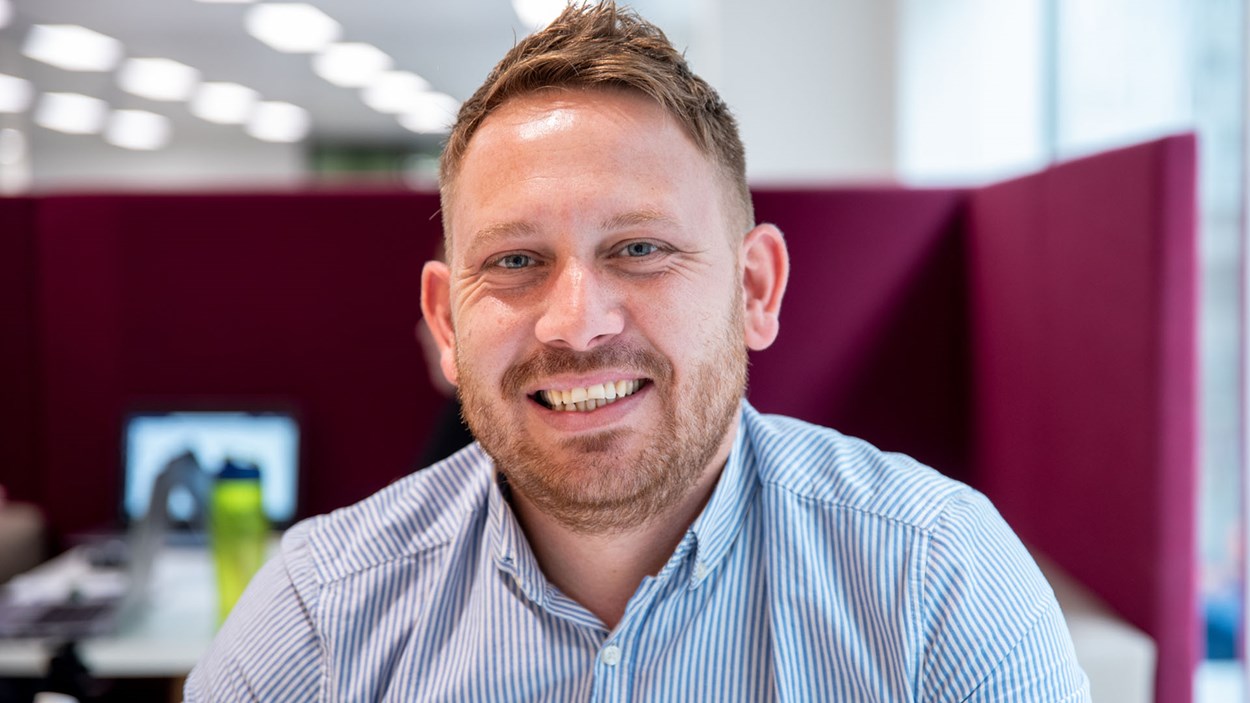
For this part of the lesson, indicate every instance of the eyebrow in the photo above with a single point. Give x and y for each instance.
(635, 218)
(506, 230)
(502, 230)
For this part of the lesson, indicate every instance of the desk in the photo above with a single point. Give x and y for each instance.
(161, 638)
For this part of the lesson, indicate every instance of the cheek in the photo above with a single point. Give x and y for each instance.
(683, 329)
(487, 332)
(703, 310)
(720, 326)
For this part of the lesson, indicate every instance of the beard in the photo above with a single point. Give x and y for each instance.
(613, 480)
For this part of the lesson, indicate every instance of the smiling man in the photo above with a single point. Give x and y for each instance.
(627, 527)
(593, 247)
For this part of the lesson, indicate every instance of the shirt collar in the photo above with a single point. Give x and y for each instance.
(717, 527)
(511, 550)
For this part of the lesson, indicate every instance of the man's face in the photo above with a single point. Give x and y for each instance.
(591, 258)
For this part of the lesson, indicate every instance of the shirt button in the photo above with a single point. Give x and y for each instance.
(700, 570)
(611, 655)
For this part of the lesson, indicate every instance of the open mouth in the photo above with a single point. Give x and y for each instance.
(587, 398)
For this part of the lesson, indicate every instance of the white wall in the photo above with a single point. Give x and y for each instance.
(940, 92)
(1124, 68)
(811, 81)
(971, 89)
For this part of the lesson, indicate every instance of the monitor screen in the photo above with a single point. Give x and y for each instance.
(269, 440)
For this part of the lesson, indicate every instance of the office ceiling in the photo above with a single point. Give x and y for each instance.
(452, 44)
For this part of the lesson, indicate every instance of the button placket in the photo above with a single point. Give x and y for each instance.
(610, 678)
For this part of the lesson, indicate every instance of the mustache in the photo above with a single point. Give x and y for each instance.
(549, 361)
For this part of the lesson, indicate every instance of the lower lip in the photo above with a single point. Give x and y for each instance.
(575, 420)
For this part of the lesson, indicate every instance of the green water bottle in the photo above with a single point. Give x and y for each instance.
(238, 531)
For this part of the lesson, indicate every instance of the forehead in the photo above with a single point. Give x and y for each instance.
(579, 149)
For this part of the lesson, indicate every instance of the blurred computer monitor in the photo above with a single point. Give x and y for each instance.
(268, 439)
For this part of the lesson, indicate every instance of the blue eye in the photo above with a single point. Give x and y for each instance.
(514, 261)
(639, 249)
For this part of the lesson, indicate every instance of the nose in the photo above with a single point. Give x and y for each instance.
(579, 312)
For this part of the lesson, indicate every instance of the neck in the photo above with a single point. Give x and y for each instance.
(603, 570)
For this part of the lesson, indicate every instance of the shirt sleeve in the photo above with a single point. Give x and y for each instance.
(993, 629)
(268, 649)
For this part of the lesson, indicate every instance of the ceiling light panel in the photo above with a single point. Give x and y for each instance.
(158, 79)
(13, 148)
(224, 103)
(351, 65)
(71, 113)
(294, 28)
(279, 122)
(433, 113)
(72, 48)
(6, 13)
(395, 92)
(15, 94)
(137, 129)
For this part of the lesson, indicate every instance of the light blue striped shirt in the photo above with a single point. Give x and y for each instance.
(820, 569)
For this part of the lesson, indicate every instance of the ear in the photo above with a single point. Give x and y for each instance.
(765, 270)
(436, 308)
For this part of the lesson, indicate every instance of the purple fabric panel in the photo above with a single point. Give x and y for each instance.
(873, 329)
(77, 245)
(308, 301)
(19, 355)
(1177, 442)
(1084, 303)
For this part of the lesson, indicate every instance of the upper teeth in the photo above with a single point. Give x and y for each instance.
(590, 397)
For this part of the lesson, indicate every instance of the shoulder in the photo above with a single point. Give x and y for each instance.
(960, 529)
(825, 467)
(417, 514)
(986, 619)
(990, 622)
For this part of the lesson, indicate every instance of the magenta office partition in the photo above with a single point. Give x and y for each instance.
(19, 351)
(873, 326)
(303, 300)
(1083, 317)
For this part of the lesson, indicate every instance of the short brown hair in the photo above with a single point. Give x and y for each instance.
(601, 46)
